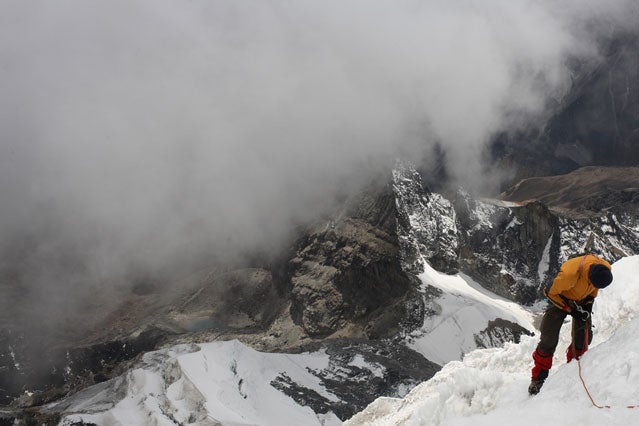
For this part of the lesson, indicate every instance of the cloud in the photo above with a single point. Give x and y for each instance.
(144, 133)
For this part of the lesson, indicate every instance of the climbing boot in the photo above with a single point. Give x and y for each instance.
(537, 382)
(535, 386)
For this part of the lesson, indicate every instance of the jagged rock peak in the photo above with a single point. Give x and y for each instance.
(426, 223)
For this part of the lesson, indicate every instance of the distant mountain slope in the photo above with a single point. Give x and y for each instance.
(585, 190)
(513, 248)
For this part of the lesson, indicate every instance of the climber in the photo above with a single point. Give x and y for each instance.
(572, 292)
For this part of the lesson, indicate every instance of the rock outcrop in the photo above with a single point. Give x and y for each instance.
(346, 272)
(399, 368)
(426, 223)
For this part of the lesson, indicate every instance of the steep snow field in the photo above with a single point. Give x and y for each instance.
(466, 310)
(216, 383)
(489, 387)
(236, 382)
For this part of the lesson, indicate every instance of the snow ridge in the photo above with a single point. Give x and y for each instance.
(465, 311)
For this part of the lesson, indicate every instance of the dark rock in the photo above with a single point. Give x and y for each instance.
(359, 372)
(28, 418)
(398, 317)
(500, 331)
(37, 378)
(502, 247)
(98, 361)
(309, 398)
(344, 270)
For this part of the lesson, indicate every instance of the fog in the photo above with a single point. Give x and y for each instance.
(138, 135)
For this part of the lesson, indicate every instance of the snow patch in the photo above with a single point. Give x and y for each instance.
(359, 362)
(544, 263)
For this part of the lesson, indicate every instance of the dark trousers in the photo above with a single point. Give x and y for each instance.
(550, 327)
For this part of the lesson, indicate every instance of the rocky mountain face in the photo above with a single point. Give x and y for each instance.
(346, 272)
(514, 247)
(426, 223)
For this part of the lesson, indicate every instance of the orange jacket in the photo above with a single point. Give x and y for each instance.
(572, 281)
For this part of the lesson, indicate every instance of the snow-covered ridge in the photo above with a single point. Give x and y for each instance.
(489, 386)
(465, 312)
(215, 383)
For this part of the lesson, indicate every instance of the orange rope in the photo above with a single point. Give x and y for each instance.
(582, 379)
(588, 392)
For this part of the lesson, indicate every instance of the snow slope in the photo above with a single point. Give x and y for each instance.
(208, 384)
(466, 309)
(489, 387)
